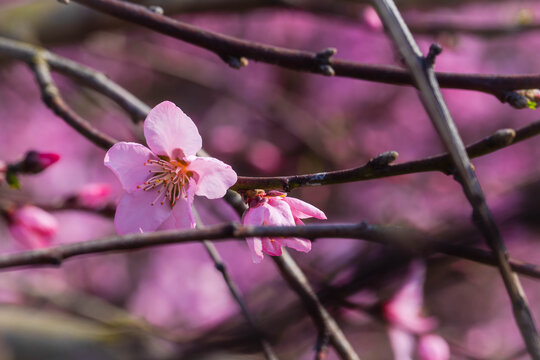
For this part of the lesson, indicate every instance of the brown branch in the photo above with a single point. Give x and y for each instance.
(381, 166)
(422, 70)
(51, 97)
(234, 49)
(386, 235)
(90, 77)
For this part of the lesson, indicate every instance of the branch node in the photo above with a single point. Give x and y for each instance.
(156, 9)
(236, 62)
(501, 138)
(434, 51)
(323, 58)
(515, 100)
(383, 160)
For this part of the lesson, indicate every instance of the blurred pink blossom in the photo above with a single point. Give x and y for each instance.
(94, 195)
(405, 308)
(168, 174)
(275, 208)
(433, 347)
(403, 313)
(264, 156)
(371, 18)
(32, 227)
(35, 162)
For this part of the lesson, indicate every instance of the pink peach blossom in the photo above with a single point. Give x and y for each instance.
(275, 208)
(161, 182)
(433, 347)
(404, 310)
(94, 195)
(404, 315)
(32, 227)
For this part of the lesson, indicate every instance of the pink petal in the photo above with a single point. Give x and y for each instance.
(215, 177)
(433, 347)
(183, 214)
(402, 343)
(135, 213)
(404, 309)
(36, 220)
(168, 131)
(271, 246)
(279, 212)
(297, 244)
(27, 239)
(254, 216)
(127, 161)
(303, 210)
(255, 245)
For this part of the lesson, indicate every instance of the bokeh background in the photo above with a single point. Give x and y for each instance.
(170, 302)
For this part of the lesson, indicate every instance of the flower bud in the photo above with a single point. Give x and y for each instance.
(35, 162)
(32, 227)
(94, 195)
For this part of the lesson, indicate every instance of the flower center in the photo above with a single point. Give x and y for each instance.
(169, 177)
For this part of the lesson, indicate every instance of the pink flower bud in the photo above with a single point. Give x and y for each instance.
(35, 162)
(32, 227)
(433, 347)
(94, 195)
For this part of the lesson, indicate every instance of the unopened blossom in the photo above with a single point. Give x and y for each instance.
(94, 195)
(406, 322)
(275, 208)
(161, 182)
(35, 162)
(32, 227)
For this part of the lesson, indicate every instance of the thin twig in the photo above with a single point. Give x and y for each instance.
(381, 166)
(235, 291)
(51, 97)
(234, 50)
(90, 77)
(422, 71)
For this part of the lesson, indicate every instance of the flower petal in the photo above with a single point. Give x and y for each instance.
(433, 347)
(183, 214)
(215, 177)
(402, 343)
(279, 212)
(303, 210)
(168, 131)
(271, 246)
(254, 216)
(297, 244)
(135, 213)
(126, 160)
(255, 245)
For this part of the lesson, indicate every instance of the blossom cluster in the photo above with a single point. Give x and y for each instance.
(161, 181)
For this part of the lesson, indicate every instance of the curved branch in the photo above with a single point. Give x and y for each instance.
(234, 49)
(380, 166)
(51, 97)
(90, 77)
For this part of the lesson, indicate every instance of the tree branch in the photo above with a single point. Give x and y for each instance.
(51, 97)
(381, 166)
(90, 77)
(233, 50)
(422, 70)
